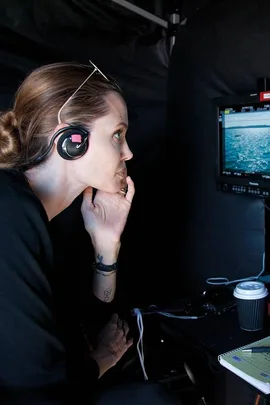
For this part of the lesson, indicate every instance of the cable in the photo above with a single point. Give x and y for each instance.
(140, 340)
(225, 281)
(257, 400)
(264, 203)
(138, 313)
(179, 316)
(168, 314)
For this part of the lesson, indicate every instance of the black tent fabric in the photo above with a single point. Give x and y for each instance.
(221, 50)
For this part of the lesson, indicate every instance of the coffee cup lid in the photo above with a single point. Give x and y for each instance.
(250, 290)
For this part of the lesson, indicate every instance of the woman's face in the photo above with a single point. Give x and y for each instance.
(104, 164)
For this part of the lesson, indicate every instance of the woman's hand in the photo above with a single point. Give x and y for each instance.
(105, 217)
(112, 344)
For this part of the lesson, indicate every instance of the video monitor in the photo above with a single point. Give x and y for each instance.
(244, 146)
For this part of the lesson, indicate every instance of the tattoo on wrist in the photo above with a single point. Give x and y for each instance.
(99, 258)
(108, 293)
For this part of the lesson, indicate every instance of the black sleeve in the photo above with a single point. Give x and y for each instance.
(77, 293)
(33, 362)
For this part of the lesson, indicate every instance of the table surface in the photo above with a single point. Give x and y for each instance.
(217, 333)
(214, 334)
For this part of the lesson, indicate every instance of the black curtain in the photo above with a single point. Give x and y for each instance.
(221, 50)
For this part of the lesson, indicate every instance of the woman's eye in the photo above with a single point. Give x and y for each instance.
(117, 135)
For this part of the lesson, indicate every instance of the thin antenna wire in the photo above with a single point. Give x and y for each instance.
(96, 69)
(75, 92)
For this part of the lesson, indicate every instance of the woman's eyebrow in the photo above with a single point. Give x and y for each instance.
(123, 124)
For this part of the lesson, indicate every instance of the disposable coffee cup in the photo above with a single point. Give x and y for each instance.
(251, 299)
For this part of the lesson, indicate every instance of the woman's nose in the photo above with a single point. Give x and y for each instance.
(126, 153)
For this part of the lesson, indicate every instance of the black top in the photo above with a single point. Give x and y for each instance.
(33, 359)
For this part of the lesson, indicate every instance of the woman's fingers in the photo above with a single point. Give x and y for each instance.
(119, 330)
(88, 198)
(130, 191)
(114, 319)
(125, 346)
(129, 343)
(120, 323)
(125, 328)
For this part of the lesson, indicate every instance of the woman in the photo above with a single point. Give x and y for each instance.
(65, 135)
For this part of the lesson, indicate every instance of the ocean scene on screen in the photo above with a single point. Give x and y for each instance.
(246, 142)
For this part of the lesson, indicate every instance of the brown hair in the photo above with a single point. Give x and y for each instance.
(25, 129)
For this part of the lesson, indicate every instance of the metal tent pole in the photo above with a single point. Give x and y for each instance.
(174, 21)
(171, 25)
(142, 12)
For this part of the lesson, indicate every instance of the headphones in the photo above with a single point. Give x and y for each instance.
(72, 144)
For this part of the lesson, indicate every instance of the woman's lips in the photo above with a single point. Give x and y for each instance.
(123, 175)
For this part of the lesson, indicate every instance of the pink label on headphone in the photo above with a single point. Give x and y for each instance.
(76, 138)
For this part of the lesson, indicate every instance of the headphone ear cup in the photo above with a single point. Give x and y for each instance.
(73, 143)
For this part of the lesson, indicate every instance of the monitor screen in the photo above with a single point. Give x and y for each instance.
(246, 141)
(244, 144)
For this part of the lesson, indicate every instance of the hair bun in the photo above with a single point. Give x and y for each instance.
(9, 140)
